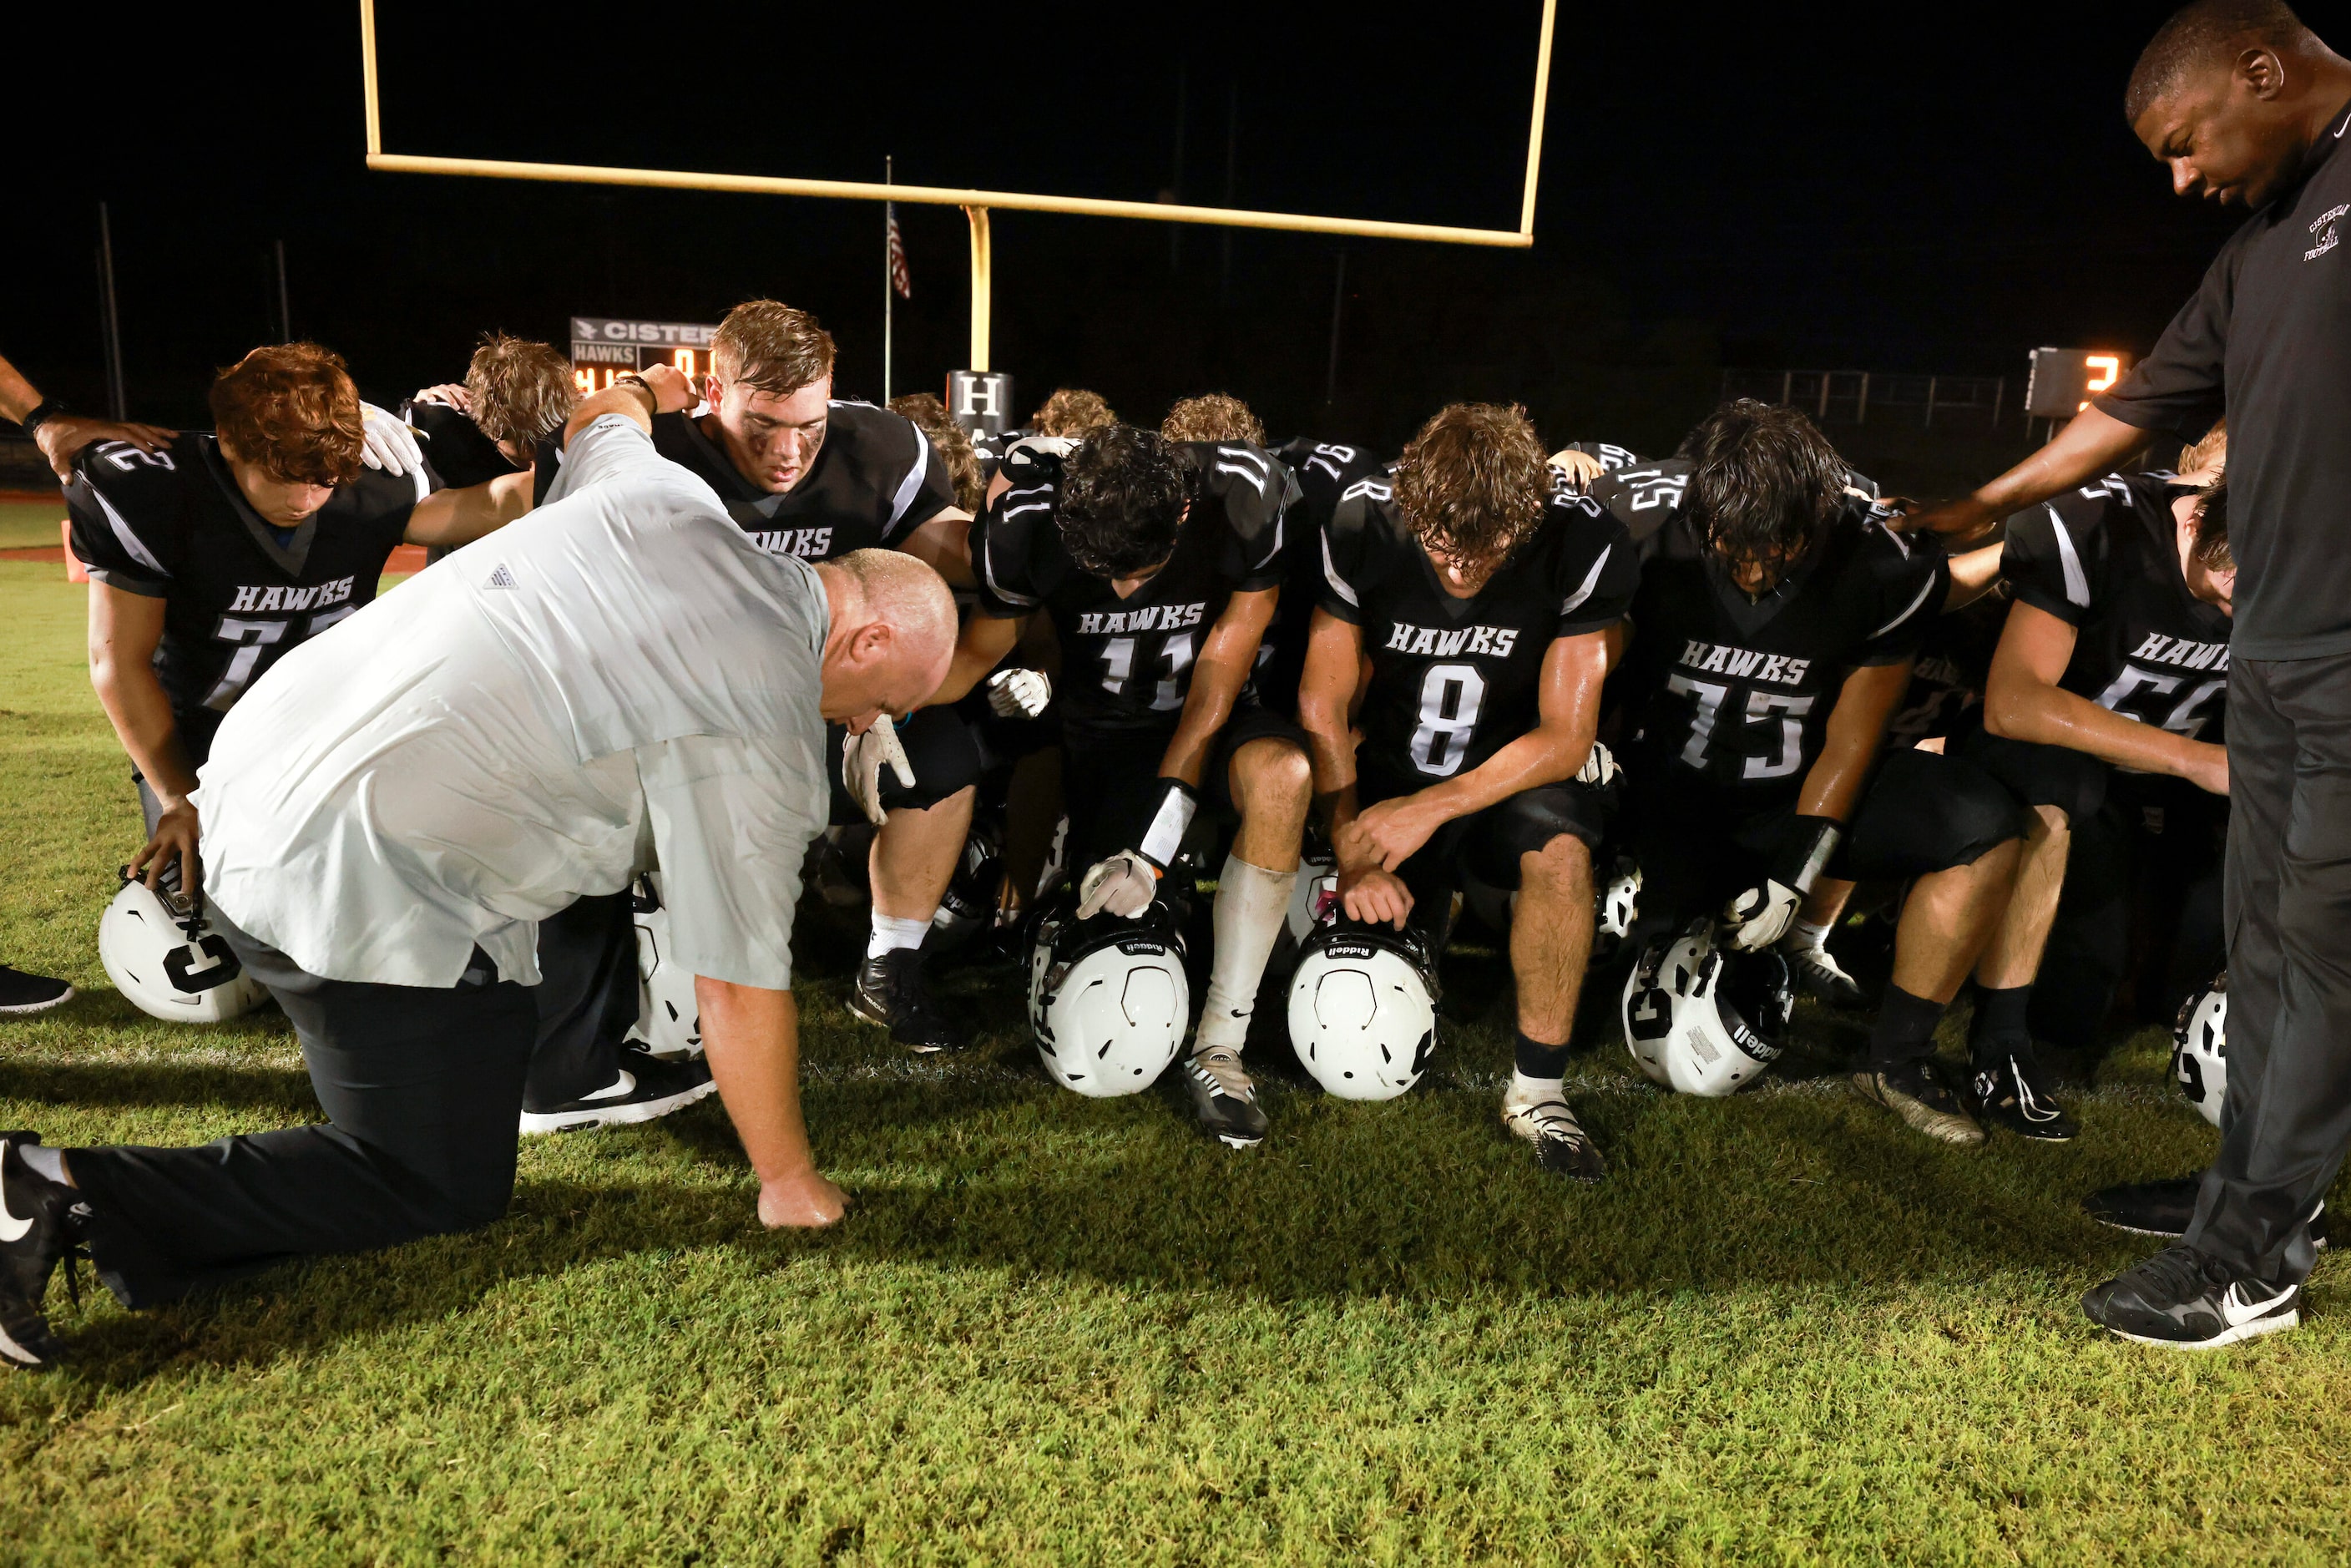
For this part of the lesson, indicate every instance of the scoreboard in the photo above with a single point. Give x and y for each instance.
(2063, 381)
(604, 347)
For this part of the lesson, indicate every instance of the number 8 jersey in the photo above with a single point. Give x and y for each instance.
(1455, 680)
(238, 594)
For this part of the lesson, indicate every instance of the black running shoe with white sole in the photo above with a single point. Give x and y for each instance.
(37, 1229)
(1561, 1142)
(2187, 1299)
(891, 992)
(2009, 1093)
(2164, 1208)
(648, 1089)
(1223, 1098)
(1915, 1092)
(22, 994)
(1816, 968)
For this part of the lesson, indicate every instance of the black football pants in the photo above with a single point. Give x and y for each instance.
(2287, 907)
(422, 1089)
(586, 1000)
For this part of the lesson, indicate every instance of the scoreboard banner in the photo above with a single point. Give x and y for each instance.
(603, 347)
(2063, 381)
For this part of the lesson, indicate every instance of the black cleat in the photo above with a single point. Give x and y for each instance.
(2164, 1208)
(22, 994)
(1223, 1097)
(2008, 1093)
(2186, 1300)
(890, 993)
(1561, 1142)
(36, 1225)
(648, 1089)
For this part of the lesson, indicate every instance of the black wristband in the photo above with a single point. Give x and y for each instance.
(48, 408)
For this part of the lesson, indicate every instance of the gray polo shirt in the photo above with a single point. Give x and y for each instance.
(621, 678)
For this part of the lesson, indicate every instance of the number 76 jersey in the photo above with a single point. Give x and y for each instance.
(1455, 680)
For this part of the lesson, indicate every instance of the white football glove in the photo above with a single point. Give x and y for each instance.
(1599, 769)
(1019, 694)
(862, 757)
(1125, 884)
(1758, 917)
(387, 442)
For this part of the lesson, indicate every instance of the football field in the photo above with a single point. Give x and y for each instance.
(1058, 1330)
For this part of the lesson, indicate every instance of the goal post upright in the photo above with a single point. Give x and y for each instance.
(976, 203)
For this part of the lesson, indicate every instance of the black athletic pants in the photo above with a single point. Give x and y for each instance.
(2287, 906)
(586, 1000)
(422, 1088)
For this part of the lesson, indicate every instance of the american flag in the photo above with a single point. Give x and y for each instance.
(899, 278)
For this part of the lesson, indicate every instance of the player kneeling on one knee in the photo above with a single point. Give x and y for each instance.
(1773, 635)
(1159, 563)
(1482, 592)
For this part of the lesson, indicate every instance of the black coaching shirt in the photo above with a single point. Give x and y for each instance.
(1455, 680)
(875, 480)
(1126, 664)
(239, 593)
(2104, 559)
(2267, 340)
(1734, 693)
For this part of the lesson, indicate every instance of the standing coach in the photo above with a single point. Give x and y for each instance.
(2246, 106)
(390, 810)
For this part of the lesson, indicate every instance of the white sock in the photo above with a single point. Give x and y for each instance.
(889, 935)
(1804, 933)
(1251, 902)
(48, 1162)
(1526, 1091)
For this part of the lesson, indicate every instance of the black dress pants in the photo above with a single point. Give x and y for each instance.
(422, 1089)
(2287, 908)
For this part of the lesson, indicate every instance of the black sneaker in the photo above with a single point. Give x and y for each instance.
(2008, 1093)
(1914, 1091)
(1561, 1142)
(2164, 1209)
(648, 1089)
(2187, 1300)
(1223, 1097)
(21, 993)
(37, 1221)
(891, 992)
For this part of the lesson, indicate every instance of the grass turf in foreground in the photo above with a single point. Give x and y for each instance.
(1066, 1329)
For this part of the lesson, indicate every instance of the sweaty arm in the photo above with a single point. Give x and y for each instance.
(1336, 674)
(1974, 573)
(1217, 676)
(752, 1039)
(944, 544)
(451, 517)
(61, 435)
(2093, 442)
(2022, 701)
(985, 640)
(1568, 716)
(1855, 732)
(125, 630)
(664, 390)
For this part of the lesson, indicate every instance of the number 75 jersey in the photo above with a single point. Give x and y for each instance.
(1455, 680)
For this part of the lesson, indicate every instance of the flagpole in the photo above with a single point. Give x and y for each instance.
(888, 284)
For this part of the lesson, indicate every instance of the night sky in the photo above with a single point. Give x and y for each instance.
(1794, 187)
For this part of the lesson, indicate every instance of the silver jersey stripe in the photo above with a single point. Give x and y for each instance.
(2077, 581)
(912, 484)
(1331, 575)
(123, 535)
(1912, 608)
(1575, 601)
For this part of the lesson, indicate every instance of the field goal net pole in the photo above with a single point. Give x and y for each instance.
(975, 202)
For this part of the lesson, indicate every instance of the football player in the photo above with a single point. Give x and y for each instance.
(209, 561)
(809, 476)
(1325, 470)
(515, 395)
(1481, 593)
(1773, 640)
(2110, 683)
(1159, 566)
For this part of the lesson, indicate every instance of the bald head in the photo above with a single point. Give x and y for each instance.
(2231, 95)
(891, 636)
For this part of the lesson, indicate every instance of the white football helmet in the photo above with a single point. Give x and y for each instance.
(169, 961)
(1363, 1012)
(2199, 1048)
(669, 1021)
(1703, 1020)
(1620, 905)
(1108, 998)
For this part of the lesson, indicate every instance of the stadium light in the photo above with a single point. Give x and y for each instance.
(976, 203)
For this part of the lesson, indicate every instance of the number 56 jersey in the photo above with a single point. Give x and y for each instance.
(1455, 680)
(1734, 693)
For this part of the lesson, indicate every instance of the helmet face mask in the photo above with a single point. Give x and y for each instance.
(1108, 998)
(1362, 1009)
(167, 960)
(2200, 1048)
(1701, 1020)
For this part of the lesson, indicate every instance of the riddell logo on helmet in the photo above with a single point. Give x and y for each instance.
(1349, 949)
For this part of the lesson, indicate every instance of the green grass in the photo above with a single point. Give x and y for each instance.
(1058, 1330)
(24, 524)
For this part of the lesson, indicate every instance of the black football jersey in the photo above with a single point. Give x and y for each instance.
(876, 479)
(1613, 458)
(461, 456)
(1126, 664)
(1736, 693)
(2104, 559)
(238, 592)
(1325, 470)
(1455, 680)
